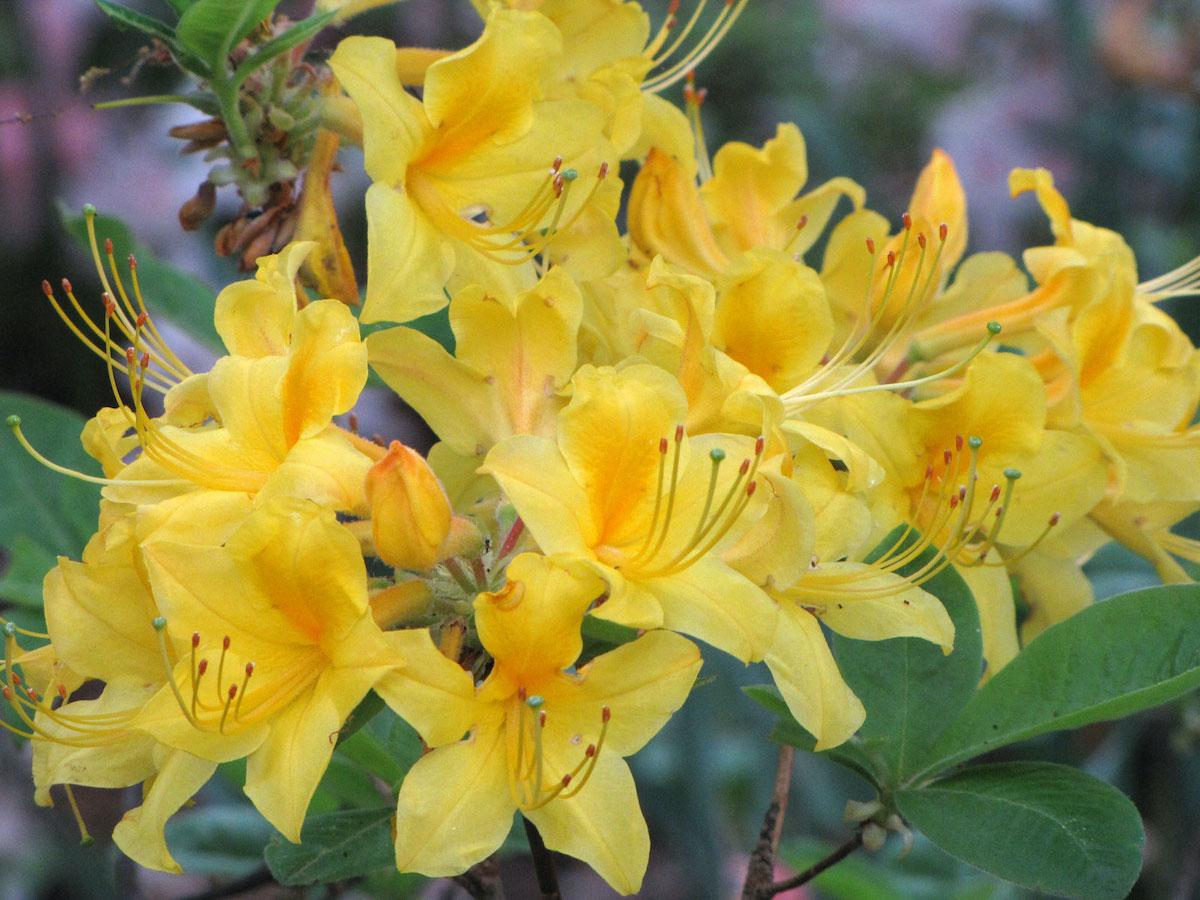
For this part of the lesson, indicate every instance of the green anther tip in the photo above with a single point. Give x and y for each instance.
(569, 174)
(89, 209)
(974, 442)
(1012, 474)
(159, 623)
(10, 628)
(13, 421)
(87, 841)
(716, 454)
(535, 701)
(993, 327)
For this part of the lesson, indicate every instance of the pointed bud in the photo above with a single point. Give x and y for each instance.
(410, 513)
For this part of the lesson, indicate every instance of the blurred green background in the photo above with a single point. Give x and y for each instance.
(1104, 93)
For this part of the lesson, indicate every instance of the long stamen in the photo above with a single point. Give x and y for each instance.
(707, 43)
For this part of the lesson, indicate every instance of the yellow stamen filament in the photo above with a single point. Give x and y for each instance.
(840, 371)
(1181, 282)
(14, 425)
(85, 839)
(691, 59)
(527, 781)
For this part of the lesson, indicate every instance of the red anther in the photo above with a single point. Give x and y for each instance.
(141, 319)
(995, 493)
(928, 473)
(130, 355)
(542, 719)
(16, 679)
(1054, 519)
(195, 639)
(556, 165)
(6, 693)
(566, 779)
(678, 433)
(745, 467)
(225, 643)
(751, 488)
(907, 220)
(943, 231)
(232, 691)
(521, 693)
(132, 261)
(803, 221)
(144, 362)
(108, 246)
(46, 289)
(109, 307)
(558, 186)
(590, 751)
(605, 714)
(958, 442)
(688, 93)
(891, 257)
(962, 492)
(31, 694)
(953, 501)
(947, 456)
(759, 444)
(999, 510)
(66, 285)
(870, 245)
(700, 95)
(603, 169)
(62, 691)
(673, 8)
(921, 239)
(662, 445)
(201, 667)
(249, 669)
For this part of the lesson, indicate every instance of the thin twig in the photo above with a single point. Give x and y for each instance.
(814, 870)
(482, 880)
(543, 864)
(760, 873)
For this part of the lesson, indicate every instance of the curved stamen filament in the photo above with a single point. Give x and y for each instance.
(1183, 281)
(708, 42)
(527, 782)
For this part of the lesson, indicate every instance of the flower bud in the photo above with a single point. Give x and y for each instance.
(410, 513)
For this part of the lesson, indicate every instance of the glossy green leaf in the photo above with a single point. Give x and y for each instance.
(42, 511)
(223, 840)
(281, 43)
(184, 299)
(910, 689)
(1112, 659)
(1046, 827)
(335, 846)
(212, 28)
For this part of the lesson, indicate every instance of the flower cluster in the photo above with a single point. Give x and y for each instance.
(685, 429)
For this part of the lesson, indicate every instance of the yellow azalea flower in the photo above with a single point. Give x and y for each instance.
(624, 489)
(750, 201)
(285, 665)
(99, 614)
(483, 138)
(513, 354)
(544, 739)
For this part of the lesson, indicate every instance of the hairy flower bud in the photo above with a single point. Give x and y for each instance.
(410, 514)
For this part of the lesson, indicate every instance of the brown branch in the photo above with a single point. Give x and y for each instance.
(482, 880)
(760, 873)
(814, 870)
(543, 863)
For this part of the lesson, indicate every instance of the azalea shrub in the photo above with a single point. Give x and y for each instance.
(687, 405)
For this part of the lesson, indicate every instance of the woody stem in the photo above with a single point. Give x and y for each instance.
(761, 871)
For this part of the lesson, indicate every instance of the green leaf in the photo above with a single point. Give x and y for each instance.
(180, 6)
(21, 583)
(1110, 660)
(1046, 827)
(53, 514)
(223, 840)
(335, 846)
(184, 299)
(788, 731)
(212, 28)
(910, 689)
(136, 21)
(281, 43)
